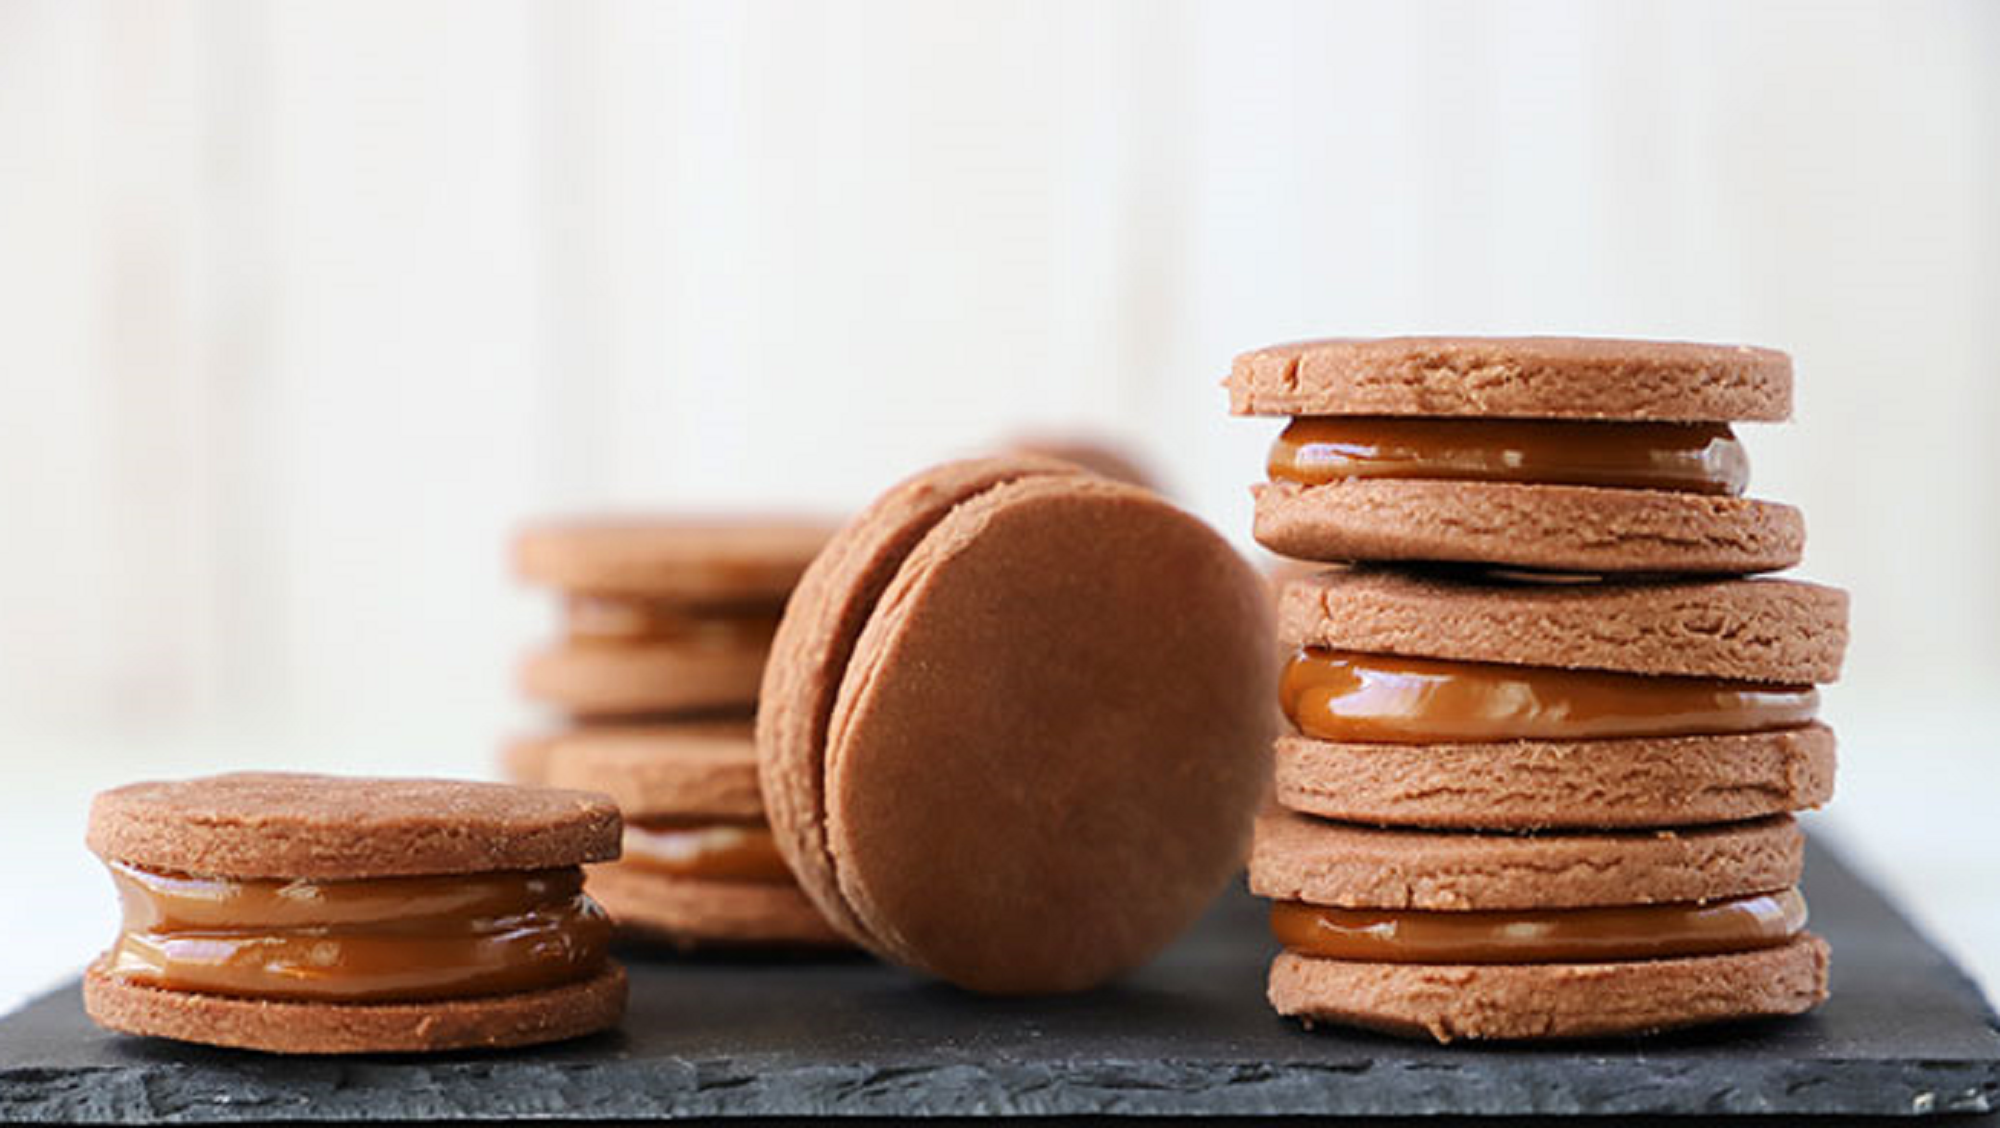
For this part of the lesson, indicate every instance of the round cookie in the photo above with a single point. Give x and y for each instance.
(314, 827)
(706, 561)
(1542, 784)
(1543, 1001)
(1096, 456)
(1560, 528)
(1297, 858)
(1514, 377)
(1015, 724)
(688, 913)
(683, 769)
(645, 679)
(1784, 631)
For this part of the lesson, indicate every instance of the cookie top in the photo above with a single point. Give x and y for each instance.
(1755, 630)
(1514, 377)
(1297, 858)
(1015, 724)
(1095, 455)
(678, 770)
(691, 559)
(285, 825)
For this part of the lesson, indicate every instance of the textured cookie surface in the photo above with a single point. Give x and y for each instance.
(281, 825)
(687, 913)
(1297, 858)
(1756, 630)
(489, 1022)
(1514, 377)
(685, 769)
(1531, 1001)
(1537, 784)
(694, 560)
(1563, 528)
(644, 679)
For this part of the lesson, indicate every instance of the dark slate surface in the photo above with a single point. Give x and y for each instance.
(1906, 1032)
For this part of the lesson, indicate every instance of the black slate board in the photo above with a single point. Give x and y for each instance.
(1906, 1032)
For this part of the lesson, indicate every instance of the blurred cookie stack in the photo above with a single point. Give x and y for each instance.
(666, 628)
(1545, 736)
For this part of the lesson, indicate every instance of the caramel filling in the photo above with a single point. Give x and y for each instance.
(377, 940)
(1688, 457)
(1636, 932)
(712, 852)
(615, 619)
(1380, 698)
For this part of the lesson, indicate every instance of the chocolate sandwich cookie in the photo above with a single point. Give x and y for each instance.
(1014, 726)
(1464, 936)
(700, 868)
(1549, 453)
(662, 616)
(317, 914)
(1478, 704)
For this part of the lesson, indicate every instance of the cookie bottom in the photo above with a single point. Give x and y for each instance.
(644, 679)
(1450, 1002)
(688, 913)
(1561, 528)
(287, 1027)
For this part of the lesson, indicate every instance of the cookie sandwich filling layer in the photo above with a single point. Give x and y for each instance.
(371, 940)
(1590, 935)
(1703, 458)
(744, 852)
(590, 618)
(1343, 696)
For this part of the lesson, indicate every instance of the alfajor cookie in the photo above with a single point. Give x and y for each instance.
(700, 868)
(1560, 454)
(662, 616)
(1425, 700)
(1466, 936)
(316, 914)
(1013, 730)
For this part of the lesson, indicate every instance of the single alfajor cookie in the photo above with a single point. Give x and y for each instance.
(699, 868)
(1550, 453)
(1449, 702)
(662, 616)
(317, 914)
(1466, 936)
(1015, 724)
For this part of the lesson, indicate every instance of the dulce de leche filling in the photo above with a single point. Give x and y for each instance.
(377, 940)
(1687, 457)
(1635, 932)
(711, 852)
(1379, 698)
(620, 619)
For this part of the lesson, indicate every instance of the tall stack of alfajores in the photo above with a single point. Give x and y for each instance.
(1546, 733)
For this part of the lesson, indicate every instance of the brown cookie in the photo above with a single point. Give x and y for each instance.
(491, 1022)
(1755, 630)
(712, 561)
(1555, 527)
(1542, 784)
(1297, 858)
(284, 825)
(1015, 724)
(1095, 455)
(694, 913)
(1558, 1000)
(651, 679)
(1514, 377)
(669, 770)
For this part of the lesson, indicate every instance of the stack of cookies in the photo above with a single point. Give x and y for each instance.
(1546, 738)
(667, 626)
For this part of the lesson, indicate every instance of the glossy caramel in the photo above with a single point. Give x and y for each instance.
(708, 852)
(618, 619)
(1380, 698)
(1702, 458)
(368, 941)
(1635, 932)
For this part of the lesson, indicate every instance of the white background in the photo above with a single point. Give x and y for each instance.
(303, 307)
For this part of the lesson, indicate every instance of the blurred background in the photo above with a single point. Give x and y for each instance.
(304, 307)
